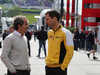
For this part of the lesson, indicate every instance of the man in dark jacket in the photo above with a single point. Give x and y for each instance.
(82, 40)
(42, 37)
(28, 35)
(76, 39)
(4, 34)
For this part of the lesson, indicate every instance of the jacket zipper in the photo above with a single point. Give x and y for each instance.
(54, 36)
(55, 31)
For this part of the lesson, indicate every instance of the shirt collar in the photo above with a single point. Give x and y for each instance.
(17, 33)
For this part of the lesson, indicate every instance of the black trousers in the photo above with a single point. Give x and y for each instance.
(19, 72)
(55, 71)
(29, 52)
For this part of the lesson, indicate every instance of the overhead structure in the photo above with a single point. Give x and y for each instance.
(90, 14)
(67, 13)
(73, 13)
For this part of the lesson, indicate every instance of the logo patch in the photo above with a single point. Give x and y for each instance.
(50, 36)
(58, 37)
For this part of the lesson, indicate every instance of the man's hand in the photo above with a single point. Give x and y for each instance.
(29, 70)
(15, 72)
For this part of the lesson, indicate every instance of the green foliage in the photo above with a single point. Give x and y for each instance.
(14, 11)
(30, 10)
(1, 5)
(17, 11)
(30, 17)
(70, 29)
(11, 12)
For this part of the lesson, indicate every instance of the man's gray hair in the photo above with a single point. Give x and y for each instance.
(18, 20)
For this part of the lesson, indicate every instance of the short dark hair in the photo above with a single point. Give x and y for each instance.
(53, 13)
(42, 27)
(18, 20)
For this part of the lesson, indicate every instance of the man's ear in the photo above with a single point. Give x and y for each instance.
(19, 26)
(54, 18)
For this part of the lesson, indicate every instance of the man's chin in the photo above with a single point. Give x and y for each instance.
(26, 31)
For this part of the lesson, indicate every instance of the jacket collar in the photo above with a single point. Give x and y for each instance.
(60, 26)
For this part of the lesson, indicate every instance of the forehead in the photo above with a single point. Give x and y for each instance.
(25, 20)
(10, 27)
(47, 15)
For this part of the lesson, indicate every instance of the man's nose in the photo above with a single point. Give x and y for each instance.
(27, 26)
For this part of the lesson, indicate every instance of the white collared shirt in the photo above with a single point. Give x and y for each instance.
(17, 33)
